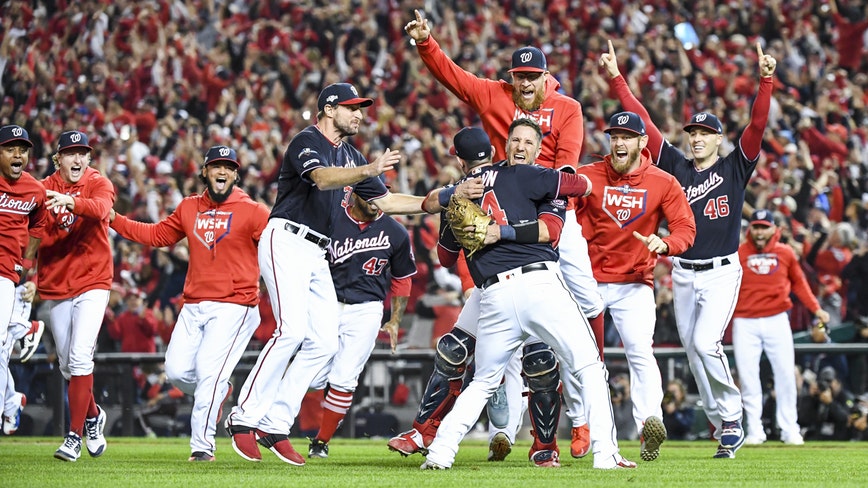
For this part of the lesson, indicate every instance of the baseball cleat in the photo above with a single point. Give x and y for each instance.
(499, 447)
(792, 439)
(432, 465)
(546, 458)
(200, 456)
(754, 441)
(408, 443)
(731, 435)
(93, 431)
(30, 341)
(318, 449)
(244, 442)
(12, 422)
(281, 447)
(653, 435)
(580, 445)
(615, 461)
(724, 453)
(70, 450)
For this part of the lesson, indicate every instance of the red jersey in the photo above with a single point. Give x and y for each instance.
(22, 212)
(223, 239)
(620, 204)
(559, 116)
(75, 256)
(135, 332)
(769, 276)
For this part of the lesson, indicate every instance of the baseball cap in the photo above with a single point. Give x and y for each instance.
(706, 120)
(72, 138)
(10, 133)
(628, 121)
(221, 153)
(528, 59)
(471, 144)
(341, 94)
(762, 217)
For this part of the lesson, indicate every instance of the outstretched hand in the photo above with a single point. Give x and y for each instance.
(418, 29)
(653, 242)
(386, 162)
(767, 63)
(610, 61)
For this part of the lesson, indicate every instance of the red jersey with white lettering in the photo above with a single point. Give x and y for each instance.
(559, 116)
(22, 213)
(769, 276)
(75, 255)
(223, 241)
(620, 204)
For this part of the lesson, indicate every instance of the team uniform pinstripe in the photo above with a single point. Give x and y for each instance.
(299, 282)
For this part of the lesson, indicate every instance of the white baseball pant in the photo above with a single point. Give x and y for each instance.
(208, 341)
(303, 297)
(704, 302)
(357, 336)
(75, 324)
(19, 326)
(772, 335)
(535, 304)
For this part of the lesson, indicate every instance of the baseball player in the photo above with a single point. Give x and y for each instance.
(318, 174)
(706, 278)
(761, 324)
(75, 270)
(620, 219)
(22, 226)
(522, 296)
(20, 327)
(370, 255)
(533, 94)
(221, 292)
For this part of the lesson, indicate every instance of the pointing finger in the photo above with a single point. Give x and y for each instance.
(611, 49)
(759, 50)
(640, 237)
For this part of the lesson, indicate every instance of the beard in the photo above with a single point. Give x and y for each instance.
(345, 129)
(622, 168)
(219, 197)
(534, 104)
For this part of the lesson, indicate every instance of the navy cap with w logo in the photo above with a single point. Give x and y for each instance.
(628, 121)
(72, 138)
(221, 153)
(11, 133)
(706, 121)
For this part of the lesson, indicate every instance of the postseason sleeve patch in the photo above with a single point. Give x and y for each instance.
(309, 156)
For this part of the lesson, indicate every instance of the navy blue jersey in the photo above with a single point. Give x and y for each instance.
(512, 195)
(363, 259)
(716, 196)
(298, 198)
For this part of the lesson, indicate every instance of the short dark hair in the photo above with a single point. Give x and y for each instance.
(527, 123)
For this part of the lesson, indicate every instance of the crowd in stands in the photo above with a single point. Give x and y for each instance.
(155, 83)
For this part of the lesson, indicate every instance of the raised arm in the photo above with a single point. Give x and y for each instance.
(752, 137)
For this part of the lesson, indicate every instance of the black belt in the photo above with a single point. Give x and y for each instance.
(321, 241)
(527, 268)
(703, 266)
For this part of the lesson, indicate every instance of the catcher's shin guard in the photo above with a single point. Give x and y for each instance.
(540, 368)
(445, 384)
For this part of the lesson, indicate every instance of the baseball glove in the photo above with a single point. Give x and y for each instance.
(462, 213)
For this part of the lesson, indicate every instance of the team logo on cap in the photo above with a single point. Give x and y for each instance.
(224, 151)
(700, 117)
(17, 131)
(624, 204)
(623, 119)
(526, 57)
(212, 227)
(331, 99)
(763, 264)
(75, 137)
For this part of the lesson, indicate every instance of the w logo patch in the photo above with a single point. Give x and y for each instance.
(624, 204)
(763, 264)
(211, 227)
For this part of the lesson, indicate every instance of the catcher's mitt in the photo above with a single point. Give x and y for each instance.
(462, 213)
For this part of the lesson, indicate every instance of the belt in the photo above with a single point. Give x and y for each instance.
(308, 235)
(527, 268)
(702, 266)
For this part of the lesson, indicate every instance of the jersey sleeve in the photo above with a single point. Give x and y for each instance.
(570, 137)
(304, 157)
(164, 233)
(475, 91)
(100, 199)
(682, 224)
(799, 283)
(402, 262)
(752, 137)
(632, 104)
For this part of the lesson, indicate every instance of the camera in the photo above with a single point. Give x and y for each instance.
(668, 397)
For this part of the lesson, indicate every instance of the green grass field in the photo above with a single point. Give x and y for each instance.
(29, 462)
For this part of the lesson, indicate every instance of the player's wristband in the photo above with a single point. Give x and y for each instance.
(507, 233)
(527, 233)
(445, 194)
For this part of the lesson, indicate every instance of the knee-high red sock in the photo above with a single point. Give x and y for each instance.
(334, 410)
(80, 395)
(597, 324)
